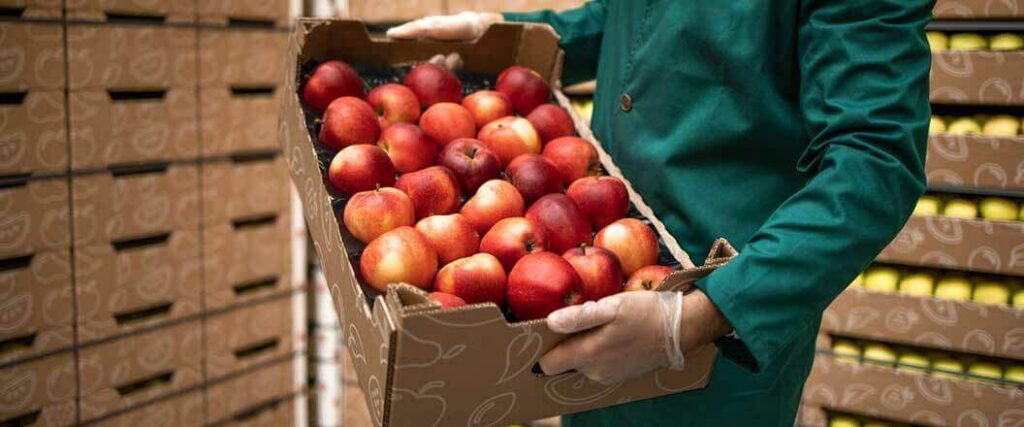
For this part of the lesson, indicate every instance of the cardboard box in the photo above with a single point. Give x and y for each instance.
(115, 128)
(181, 411)
(131, 57)
(248, 336)
(978, 9)
(275, 413)
(177, 11)
(117, 207)
(456, 6)
(811, 416)
(245, 188)
(392, 12)
(243, 58)
(34, 217)
(909, 397)
(238, 120)
(978, 77)
(243, 393)
(246, 260)
(961, 244)
(270, 13)
(33, 56)
(409, 350)
(33, 134)
(124, 287)
(33, 9)
(137, 368)
(40, 392)
(936, 323)
(36, 305)
(975, 161)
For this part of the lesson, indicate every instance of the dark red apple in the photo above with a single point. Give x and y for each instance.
(551, 121)
(564, 224)
(575, 157)
(513, 238)
(599, 271)
(534, 176)
(471, 162)
(433, 84)
(541, 283)
(524, 87)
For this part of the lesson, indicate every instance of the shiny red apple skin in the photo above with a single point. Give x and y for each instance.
(487, 106)
(513, 238)
(368, 214)
(394, 103)
(446, 122)
(574, 157)
(451, 236)
(409, 148)
(524, 87)
(534, 176)
(541, 283)
(632, 241)
(599, 271)
(446, 300)
(476, 279)
(434, 191)
(331, 80)
(564, 224)
(472, 163)
(494, 201)
(603, 199)
(509, 137)
(551, 121)
(360, 168)
(433, 84)
(348, 121)
(648, 278)
(401, 255)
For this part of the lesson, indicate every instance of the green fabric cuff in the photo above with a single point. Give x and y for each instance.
(745, 348)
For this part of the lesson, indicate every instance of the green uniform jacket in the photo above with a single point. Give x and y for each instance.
(796, 129)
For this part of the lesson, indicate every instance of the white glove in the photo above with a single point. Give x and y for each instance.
(464, 26)
(627, 335)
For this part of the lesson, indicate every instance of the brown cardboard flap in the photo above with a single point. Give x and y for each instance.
(34, 9)
(126, 57)
(33, 56)
(978, 77)
(246, 259)
(248, 188)
(811, 416)
(181, 411)
(34, 217)
(35, 305)
(239, 119)
(976, 161)
(942, 324)
(130, 370)
(137, 284)
(42, 390)
(241, 57)
(962, 244)
(978, 9)
(32, 134)
(261, 12)
(115, 127)
(248, 336)
(177, 11)
(237, 395)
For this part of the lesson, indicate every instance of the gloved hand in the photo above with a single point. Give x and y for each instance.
(463, 26)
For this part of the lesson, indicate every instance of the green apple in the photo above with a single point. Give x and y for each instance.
(842, 421)
(936, 125)
(985, 370)
(967, 41)
(927, 205)
(963, 126)
(1014, 374)
(960, 208)
(881, 279)
(1001, 125)
(937, 41)
(991, 292)
(998, 209)
(954, 288)
(945, 366)
(846, 349)
(1006, 41)
(879, 353)
(920, 284)
(911, 361)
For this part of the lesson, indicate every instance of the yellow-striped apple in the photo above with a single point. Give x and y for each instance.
(494, 201)
(394, 103)
(446, 121)
(401, 255)
(599, 271)
(647, 278)
(368, 214)
(575, 157)
(632, 241)
(510, 137)
(409, 148)
(476, 279)
(603, 199)
(446, 300)
(487, 106)
(513, 238)
(451, 236)
(348, 121)
(434, 191)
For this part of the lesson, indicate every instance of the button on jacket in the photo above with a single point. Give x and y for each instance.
(796, 129)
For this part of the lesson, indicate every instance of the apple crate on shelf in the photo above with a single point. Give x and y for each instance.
(40, 392)
(173, 12)
(961, 244)
(37, 305)
(978, 9)
(978, 77)
(976, 161)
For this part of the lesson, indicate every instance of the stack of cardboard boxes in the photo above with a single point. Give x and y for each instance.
(146, 240)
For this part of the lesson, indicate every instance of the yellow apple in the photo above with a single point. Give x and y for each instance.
(967, 41)
(985, 370)
(954, 288)
(945, 366)
(846, 349)
(881, 279)
(1006, 41)
(879, 353)
(857, 281)
(991, 292)
(937, 41)
(843, 421)
(963, 126)
(1014, 374)
(911, 361)
(1018, 298)
(1001, 125)
(998, 209)
(960, 208)
(920, 284)
(927, 205)
(936, 125)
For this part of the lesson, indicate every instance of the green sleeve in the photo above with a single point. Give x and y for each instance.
(864, 99)
(580, 30)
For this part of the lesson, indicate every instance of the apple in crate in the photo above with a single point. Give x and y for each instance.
(494, 201)
(541, 283)
(331, 80)
(472, 163)
(476, 279)
(360, 167)
(446, 122)
(446, 300)
(513, 238)
(967, 41)
(409, 148)
(599, 271)
(1001, 125)
(394, 103)
(647, 278)
(433, 84)
(564, 224)
(534, 176)
(998, 209)
(368, 214)
(524, 87)
(451, 236)
(551, 121)
(881, 279)
(434, 191)
(632, 241)
(401, 255)
(954, 288)
(487, 106)
(603, 199)
(919, 284)
(575, 157)
(509, 137)
(348, 121)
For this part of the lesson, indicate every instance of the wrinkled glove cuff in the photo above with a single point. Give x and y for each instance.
(672, 304)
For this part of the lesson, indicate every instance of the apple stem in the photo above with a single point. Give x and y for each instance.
(376, 187)
(472, 152)
(583, 248)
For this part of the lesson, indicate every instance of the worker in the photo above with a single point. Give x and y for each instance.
(795, 129)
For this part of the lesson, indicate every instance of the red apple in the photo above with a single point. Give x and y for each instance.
(446, 300)
(446, 122)
(400, 255)
(524, 87)
(513, 238)
(331, 80)
(534, 176)
(471, 162)
(361, 168)
(452, 236)
(541, 283)
(599, 271)
(369, 214)
(475, 279)
(433, 84)
(551, 121)
(348, 121)
(603, 199)
(394, 103)
(510, 137)
(648, 278)
(434, 191)
(408, 147)
(494, 201)
(632, 241)
(487, 106)
(575, 157)
(564, 224)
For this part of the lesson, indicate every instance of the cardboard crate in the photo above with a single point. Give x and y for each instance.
(978, 77)
(456, 6)
(36, 305)
(246, 260)
(241, 58)
(978, 9)
(238, 120)
(909, 397)
(34, 217)
(962, 244)
(137, 368)
(177, 11)
(391, 12)
(409, 349)
(40, 392)
(272, 13)
(245, 188)
(271, 414)
(119, 206)
(114, 128)
(936, 323)
(975, 161)
(33, 9)
(242, 394)
(131, 57)
(124, 287)
(247, 336)
(186, 410)
(811, 416)
(33, 56)
(33, 135)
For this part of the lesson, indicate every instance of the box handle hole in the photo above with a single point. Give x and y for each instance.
(256, 348)
(253, 222)
(122, 17)
(140, 242)
(17, 343)
(145, 313)
(12, 98)
(137, 95)
(16, 263)
(156, 380)
(253, 286)
(29, 418)
(255, 411)
(128, 170)
(261, 91)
